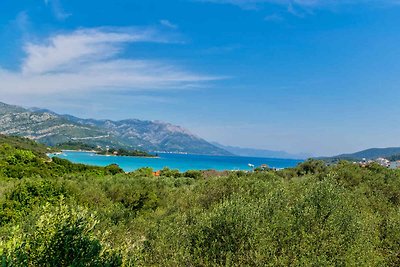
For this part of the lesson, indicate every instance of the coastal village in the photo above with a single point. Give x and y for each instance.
(381, 161)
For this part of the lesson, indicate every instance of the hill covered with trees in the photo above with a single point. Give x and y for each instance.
(369, 154)
(103, 151)
(55, 213)
(52, 129)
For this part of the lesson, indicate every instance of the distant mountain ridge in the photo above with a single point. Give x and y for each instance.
(372, 153)
(262, 153)
(51, 128)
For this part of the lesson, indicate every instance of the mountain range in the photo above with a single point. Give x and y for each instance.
(261, 153)
(51, 128)
(369, 154)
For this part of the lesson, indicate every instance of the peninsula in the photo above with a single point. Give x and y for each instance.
(80, 146)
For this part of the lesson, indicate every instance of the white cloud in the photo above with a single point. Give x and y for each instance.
(91, 60)
(168, 24)
(57, 9)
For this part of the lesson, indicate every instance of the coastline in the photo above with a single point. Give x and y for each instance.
(96, 152)
(175, 161)
(79, 150)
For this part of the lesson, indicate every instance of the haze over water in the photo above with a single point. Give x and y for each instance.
(181, 162)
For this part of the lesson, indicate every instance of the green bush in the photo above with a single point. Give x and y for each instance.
(166, 172)
(26, 195)
(113, 169)
(193, 174)
(63, 236)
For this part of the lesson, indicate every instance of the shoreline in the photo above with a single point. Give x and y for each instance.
(188, 154)
(96, 152)
(79, 150)
(131, 163)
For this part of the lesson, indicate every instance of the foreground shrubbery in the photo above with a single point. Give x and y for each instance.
(63, 214)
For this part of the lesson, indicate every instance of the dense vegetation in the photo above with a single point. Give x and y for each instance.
(394, 157)
(369, 154)
(102, 151)
(125, 152)
(26, 144)
(55, 213)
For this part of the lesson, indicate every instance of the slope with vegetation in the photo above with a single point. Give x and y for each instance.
(52, 129)
(80, 146)
(369, 154)
(55, 213)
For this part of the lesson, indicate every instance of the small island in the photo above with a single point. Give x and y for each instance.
(79, 146)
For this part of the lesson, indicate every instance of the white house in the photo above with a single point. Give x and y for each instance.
(383, 162)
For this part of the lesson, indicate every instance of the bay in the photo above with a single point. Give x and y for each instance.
(181, 162)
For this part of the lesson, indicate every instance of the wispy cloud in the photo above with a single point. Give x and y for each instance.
(168, 24)
(252, 3)
(273, 18)
(303, 4)
(57, 9)
(92, 60)
(22, 21)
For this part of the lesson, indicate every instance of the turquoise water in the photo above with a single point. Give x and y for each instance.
(177, 161)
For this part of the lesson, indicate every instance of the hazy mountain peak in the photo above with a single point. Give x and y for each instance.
(263, 153)
(51, 128)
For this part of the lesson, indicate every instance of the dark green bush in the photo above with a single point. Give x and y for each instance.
(63, 236)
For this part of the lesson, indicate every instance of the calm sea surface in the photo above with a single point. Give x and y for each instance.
(177, 161)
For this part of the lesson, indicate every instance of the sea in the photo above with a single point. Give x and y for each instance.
(181, 162)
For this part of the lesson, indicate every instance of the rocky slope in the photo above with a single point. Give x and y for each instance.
(50, 128)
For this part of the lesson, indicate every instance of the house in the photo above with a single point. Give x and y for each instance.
(383, 162)
(264, 167)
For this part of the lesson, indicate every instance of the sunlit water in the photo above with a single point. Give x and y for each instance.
(181, 162)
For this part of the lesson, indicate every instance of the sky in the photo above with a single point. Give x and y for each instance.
(303, 76)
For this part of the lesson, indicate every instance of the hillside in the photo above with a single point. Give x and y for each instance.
(50, 128)
(26, 144)
(45, 127)
(153, 135)
(371, 153)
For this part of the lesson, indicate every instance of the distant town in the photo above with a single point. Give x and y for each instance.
(381, 161)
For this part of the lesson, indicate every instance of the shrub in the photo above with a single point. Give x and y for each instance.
(60, 236)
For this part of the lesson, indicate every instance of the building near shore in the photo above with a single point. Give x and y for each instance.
(383, 162)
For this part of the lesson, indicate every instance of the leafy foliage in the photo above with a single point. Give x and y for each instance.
(56, 213)
(62, 236)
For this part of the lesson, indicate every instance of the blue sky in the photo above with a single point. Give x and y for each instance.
(312, 76)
